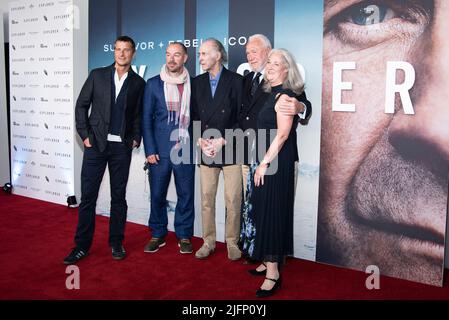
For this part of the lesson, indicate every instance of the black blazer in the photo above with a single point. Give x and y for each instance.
(219, 112)
(251, 106)
(96, 95)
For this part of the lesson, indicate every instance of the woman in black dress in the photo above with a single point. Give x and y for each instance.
(271, 198)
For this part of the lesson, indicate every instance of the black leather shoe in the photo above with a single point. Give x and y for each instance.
(118, 252)
(254, 272)
(261, 293)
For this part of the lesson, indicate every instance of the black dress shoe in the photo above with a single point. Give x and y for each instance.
(118, 252)
(261, 293)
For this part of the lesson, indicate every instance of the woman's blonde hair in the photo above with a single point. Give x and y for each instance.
(294, 80)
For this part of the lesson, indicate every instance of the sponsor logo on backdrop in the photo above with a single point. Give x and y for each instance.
(62, 72)
(19, 86)
(28, 20)
(31, 125)
(46, 113)
(59, 127)
(19, 136)
(29, 150)
(35, 189)
(34, 138)
(18, 161)
(62, 45)
(62, 100)
(60, 181)
(34, 86)
(45, 153)
(43, 46)
(14, 21)
(46, 4)
(16, 124)
(18, 111)
(52, 193)
(19, 8)
(32, 176)
(63, 155)
(50, 31)
(20, 186)
(51, 140)
(51, 86)
(47, 166)
(61, 17)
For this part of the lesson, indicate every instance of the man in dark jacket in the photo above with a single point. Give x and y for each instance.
(216, 100)
(114, 97)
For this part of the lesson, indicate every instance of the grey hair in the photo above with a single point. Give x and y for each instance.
(294, 80)
(262, 38)
(220, 48)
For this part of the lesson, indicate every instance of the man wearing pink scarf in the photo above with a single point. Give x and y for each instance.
(165, 128)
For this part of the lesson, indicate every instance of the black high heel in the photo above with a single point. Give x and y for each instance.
(254, 272)
(261, 293)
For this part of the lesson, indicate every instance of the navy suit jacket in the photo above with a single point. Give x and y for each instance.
(156, 129)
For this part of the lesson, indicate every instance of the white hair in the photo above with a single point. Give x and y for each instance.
(294, 80)
(265, 41)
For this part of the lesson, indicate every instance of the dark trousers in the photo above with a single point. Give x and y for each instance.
(160, 175)
(118, 158)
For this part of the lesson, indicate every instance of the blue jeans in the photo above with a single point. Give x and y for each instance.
(159, 176)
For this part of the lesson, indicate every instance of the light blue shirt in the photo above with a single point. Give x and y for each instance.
(214, 81)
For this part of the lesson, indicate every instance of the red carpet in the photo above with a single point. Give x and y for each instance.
(36, 236)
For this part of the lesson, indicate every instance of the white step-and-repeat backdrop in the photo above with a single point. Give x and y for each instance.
(41, 75)
(4, 152)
